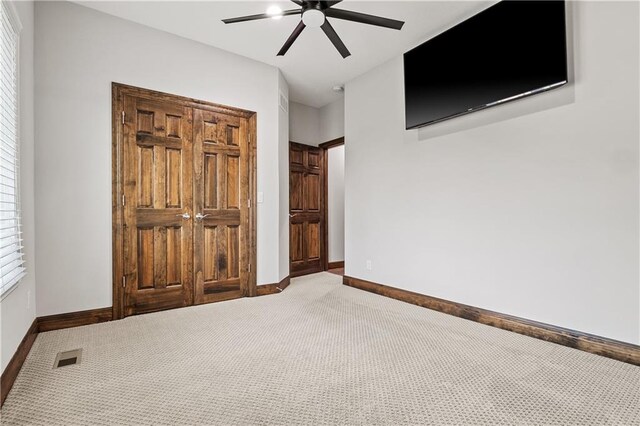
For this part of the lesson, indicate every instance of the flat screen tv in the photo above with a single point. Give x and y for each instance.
(509, 50)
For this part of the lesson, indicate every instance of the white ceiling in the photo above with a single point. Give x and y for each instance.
(312, 66)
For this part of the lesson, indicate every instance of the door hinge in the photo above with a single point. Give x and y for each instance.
(249, 267)
(123, 114)
(123, 200)
(124, 281)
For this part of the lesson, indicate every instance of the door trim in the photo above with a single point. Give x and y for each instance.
(118, 92)
(332, 143)
(325, 235)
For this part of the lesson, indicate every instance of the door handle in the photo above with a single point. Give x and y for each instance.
(293, 215)
(201, 216)
(185, 216)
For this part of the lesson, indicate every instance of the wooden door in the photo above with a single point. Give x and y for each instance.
(306, 207)
(184, 175)
(221, 203)
(158, 201)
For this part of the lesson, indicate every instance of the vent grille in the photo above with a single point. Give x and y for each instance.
(66, 358)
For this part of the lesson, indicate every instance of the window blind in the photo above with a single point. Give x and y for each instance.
(12, 267)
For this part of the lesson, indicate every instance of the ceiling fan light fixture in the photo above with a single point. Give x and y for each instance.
(313, 18)
(275, 12)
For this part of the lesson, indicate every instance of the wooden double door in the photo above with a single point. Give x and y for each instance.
(185, 172)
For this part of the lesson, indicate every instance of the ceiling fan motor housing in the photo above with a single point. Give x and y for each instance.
(313, 17)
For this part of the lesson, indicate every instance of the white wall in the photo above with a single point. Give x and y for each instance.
(304, 124)
(18, 308)
(332, 127)
(79, 52)
(335, 193)
(532, 213)
(283, 182)
(313, 126)
(332, 121)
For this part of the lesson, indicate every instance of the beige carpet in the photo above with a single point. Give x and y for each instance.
(318, 353)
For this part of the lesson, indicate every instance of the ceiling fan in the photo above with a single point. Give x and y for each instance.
(314, 14)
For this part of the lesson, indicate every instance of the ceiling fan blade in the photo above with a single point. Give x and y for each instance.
(294, 35)
(298, 2)
(333, 36)
(364, 18)
(326, 4)
(260, 16)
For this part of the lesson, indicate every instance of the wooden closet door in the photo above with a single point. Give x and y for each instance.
(158, 257)
(221, 204)
(306, 207)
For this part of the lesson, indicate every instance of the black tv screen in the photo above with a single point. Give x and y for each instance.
(510, 50)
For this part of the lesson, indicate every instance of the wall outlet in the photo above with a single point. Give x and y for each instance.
(369, 265)
(260, 197)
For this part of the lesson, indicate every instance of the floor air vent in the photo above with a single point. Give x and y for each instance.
(68, 358)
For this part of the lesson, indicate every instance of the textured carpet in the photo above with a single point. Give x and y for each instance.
(318, 353)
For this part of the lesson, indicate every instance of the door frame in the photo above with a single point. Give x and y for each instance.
(325, 151)
(118, 93)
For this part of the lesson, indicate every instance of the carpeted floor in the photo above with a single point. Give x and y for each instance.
(318, 353)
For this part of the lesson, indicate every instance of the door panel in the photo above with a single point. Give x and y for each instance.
(312, 193)
(313, 240)
(157, 240)
(210, 174)
(173, 177)
(174, 255)
(221, 176)
(313, 159)
(306, 204)
(297, 250)
(296, 155)
(233, 182)
(145, 258)
(296, 183)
